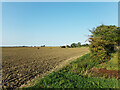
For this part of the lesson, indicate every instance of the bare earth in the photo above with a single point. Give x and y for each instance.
(104, 72)
(19, 65)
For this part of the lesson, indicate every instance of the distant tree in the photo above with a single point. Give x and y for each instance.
(62, 46)
(43, 46)
(24, 46)
(85, 45)
(78, 44)
(73, 45)
(67, 46)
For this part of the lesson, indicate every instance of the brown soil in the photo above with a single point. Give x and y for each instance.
(105, 72)
(20, 65)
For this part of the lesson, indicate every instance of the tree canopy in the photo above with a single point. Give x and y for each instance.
(103, 41)
(110, 33)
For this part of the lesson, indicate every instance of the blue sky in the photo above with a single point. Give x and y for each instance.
(54, 24)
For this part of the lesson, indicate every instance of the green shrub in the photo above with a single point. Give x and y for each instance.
(103, 42)
(73, 45)
(100, 49)
(66, 78)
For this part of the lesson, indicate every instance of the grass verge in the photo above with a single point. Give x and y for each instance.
(73, 76)
(112, 64)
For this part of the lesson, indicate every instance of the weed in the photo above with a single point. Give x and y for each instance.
(67, 77)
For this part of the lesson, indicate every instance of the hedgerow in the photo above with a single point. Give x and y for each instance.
(103, 41)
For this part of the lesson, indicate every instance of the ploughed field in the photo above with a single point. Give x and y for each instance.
(20, 64)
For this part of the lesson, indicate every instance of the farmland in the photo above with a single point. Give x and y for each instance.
(21, 64)
(76, 75)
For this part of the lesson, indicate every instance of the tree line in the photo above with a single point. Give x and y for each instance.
(74, 45)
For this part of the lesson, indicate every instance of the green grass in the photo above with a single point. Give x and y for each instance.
(72, 76)
(62, 79)
(112, 64)
(81, 65)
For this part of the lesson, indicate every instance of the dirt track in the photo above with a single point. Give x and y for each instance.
(22, 64)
